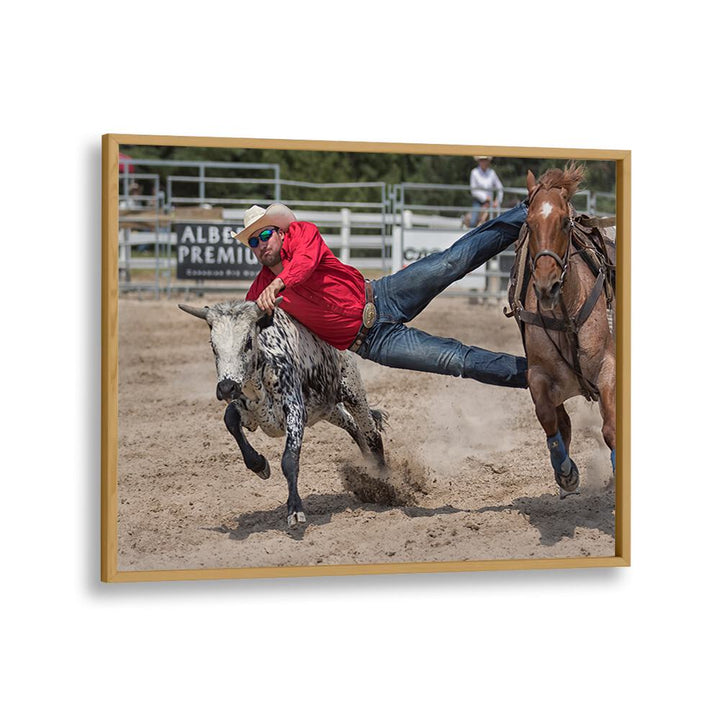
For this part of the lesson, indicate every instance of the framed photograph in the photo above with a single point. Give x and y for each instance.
(340, 358)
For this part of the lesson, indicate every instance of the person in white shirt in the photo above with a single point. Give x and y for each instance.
(483, 181)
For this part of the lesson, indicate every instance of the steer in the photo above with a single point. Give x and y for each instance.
(275, 374)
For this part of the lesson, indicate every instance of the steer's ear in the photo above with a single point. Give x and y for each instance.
(265, 321)
(262, 320)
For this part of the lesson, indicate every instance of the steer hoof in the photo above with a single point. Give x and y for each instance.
(264, 471)
(568, 483)
(295, 518)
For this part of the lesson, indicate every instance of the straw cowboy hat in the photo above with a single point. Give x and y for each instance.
(256, 217)
(482, 157)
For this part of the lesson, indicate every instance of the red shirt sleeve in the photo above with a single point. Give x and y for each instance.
(302, 250)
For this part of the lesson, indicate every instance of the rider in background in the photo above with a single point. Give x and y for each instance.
(483, 181)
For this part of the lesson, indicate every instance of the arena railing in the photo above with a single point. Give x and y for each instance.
(356, 225)
(140, 221)
(157, 233)
(367, 227)
(426, 226)
(202, 167)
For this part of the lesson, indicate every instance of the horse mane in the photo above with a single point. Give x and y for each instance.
(568, 179)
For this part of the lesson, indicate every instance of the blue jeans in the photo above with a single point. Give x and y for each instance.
(406, 293)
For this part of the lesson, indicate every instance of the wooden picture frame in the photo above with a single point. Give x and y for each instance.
(110, 572)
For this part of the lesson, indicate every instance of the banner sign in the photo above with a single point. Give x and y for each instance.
(208, 252)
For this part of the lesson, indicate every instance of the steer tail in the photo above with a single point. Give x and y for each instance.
(380, 418)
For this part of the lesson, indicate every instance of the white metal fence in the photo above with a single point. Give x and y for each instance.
(375, 227)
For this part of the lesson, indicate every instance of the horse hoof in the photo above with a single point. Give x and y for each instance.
(570, 482)
(264, 472)
(565, 493)
(295, 518)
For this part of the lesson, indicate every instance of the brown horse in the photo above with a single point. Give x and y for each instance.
(565, 322)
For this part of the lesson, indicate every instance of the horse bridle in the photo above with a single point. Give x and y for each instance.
(562, 262)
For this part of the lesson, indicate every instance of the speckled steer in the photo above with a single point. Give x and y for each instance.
(276, 375)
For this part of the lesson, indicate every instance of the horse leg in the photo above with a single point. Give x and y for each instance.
(568, 485)
(565, 426)
(556, 423)
(606, 385)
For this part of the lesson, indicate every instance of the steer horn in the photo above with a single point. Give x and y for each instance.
(197, 312)
(276, 302)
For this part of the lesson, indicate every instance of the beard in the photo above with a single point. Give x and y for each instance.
(270, 259)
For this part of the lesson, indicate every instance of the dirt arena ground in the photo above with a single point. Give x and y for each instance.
(470, 473)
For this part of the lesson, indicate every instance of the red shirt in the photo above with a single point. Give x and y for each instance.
(322, 293)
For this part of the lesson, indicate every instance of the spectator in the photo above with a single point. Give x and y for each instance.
(483, 181)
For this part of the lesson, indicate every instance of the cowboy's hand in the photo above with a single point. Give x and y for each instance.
(266, 300)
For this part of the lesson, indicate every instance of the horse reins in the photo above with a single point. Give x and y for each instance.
(571, 328)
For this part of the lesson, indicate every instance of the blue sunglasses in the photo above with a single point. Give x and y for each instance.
(265, 235)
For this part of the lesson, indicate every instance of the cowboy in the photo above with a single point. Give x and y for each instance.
(483, 180)
(368, 317)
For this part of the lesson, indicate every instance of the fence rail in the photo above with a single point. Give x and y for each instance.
(375, 227)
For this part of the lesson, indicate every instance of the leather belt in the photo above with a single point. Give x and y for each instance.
(369, 317)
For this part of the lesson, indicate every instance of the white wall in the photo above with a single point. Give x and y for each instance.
(536, 644)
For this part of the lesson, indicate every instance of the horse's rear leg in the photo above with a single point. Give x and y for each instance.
(556, 423)
(606, 385)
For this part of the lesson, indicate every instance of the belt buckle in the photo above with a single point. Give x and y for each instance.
(369, 315)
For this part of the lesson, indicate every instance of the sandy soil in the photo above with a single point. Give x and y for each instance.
(471, 477)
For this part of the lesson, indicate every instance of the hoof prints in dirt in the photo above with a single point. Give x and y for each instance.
(402, 484)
